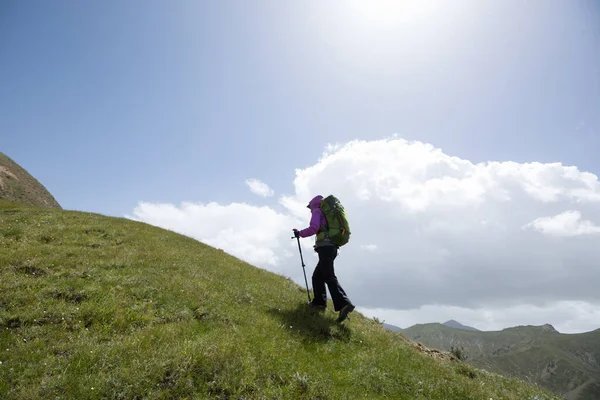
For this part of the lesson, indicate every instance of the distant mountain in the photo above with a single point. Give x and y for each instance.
(457, 325)
(392, 327)
(18, 186)
(568, 364)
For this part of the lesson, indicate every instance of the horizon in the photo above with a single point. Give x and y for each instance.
(471, 129)
(494, 330)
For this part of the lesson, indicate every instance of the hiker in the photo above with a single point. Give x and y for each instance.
(324, 271)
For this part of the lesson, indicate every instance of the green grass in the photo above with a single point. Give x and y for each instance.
(98, 307)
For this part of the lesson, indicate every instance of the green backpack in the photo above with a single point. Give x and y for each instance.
(338, 229)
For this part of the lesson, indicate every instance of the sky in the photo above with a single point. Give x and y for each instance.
(462, 138)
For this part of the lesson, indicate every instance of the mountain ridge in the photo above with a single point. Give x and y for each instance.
(391, 327)
(457, 325)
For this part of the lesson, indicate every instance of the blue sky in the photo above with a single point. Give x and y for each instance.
(110, 103)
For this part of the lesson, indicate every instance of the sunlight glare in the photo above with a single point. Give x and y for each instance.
(377, 14)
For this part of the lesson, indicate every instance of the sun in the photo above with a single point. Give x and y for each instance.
(390, 13)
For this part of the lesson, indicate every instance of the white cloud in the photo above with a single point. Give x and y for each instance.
(259, 188)
(568, 223)
(254, 234)
(448, 231)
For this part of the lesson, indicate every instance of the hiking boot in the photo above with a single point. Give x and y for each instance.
(347, 309)
(317, 307)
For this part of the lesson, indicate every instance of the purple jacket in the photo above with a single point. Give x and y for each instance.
(317, 219)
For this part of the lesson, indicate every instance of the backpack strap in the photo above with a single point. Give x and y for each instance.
(326, 226)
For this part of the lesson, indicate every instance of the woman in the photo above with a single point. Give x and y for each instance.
(324, 271)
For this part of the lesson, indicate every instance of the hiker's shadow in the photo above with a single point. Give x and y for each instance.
(312, 325)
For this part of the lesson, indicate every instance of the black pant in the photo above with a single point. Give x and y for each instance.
(324, 274)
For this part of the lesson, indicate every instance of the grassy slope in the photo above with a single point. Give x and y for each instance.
(99, 307)
(561, 362)
(19, 186)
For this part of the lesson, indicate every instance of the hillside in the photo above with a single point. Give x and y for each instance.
(101, 307)
(17, 185)
(568, 364)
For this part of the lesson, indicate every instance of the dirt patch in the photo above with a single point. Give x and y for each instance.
(69, 295)
(435, 353)
(5, 171)
(31, 270)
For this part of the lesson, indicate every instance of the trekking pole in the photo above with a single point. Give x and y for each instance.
(302, 260)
